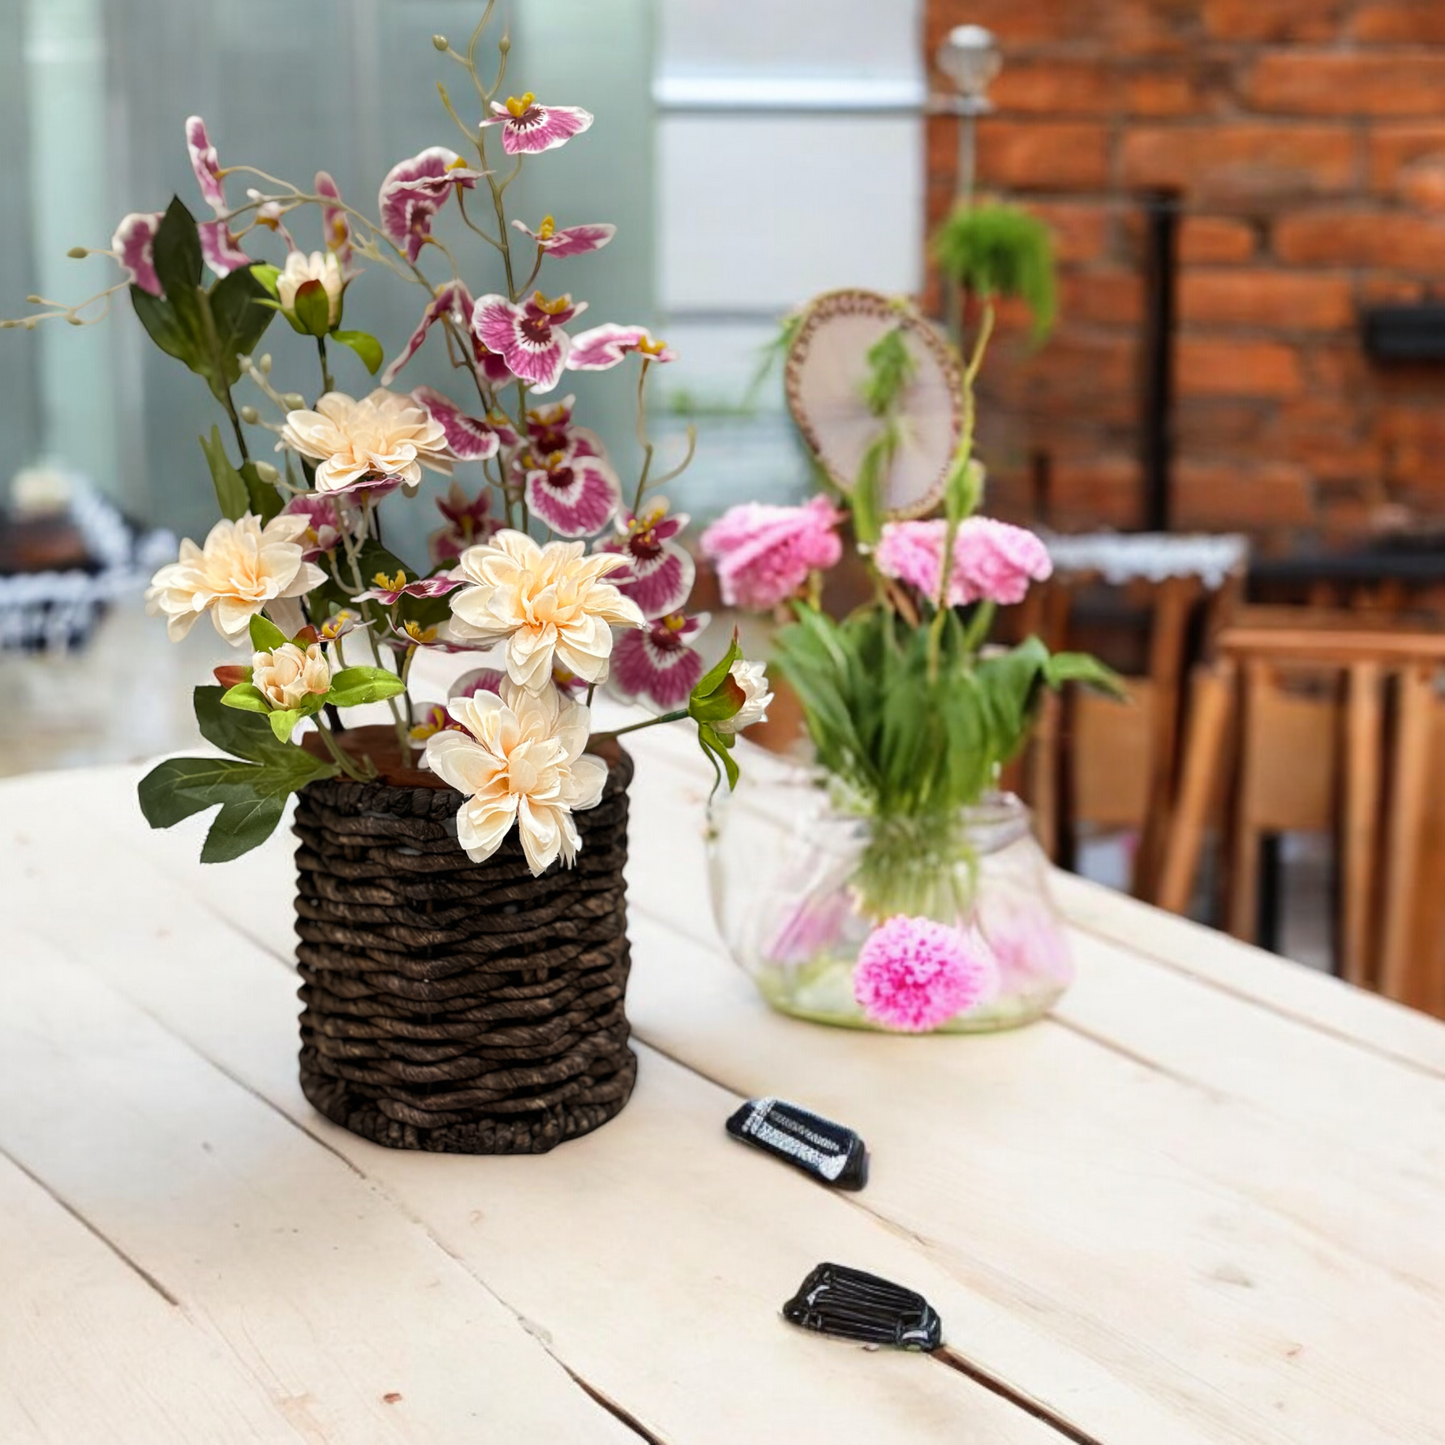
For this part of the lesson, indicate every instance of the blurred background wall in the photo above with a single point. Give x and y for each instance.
(1305, 143)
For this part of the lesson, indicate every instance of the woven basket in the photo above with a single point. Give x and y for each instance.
(451, 1005)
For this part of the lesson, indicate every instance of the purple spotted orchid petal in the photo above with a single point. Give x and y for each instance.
(469, 437)
(468, 522)
(529, 129)
(437, 586)
(133, 244)
(550, 429)
(415, 190)
(568, 240)
(529, 338)
(659, 573)
(334, 220)
(607, 346)
(206, 164)
(480, 679)
(658, 664)
(326, 523)
(576, 496)
(221, 249)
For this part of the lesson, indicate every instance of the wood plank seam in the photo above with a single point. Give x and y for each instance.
(618, 1412)
(139, 1269)
(1142, 1061)
(951, 1358)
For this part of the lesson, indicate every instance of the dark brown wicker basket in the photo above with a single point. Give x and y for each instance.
(452, 1005)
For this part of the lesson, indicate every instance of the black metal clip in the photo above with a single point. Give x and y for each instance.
(829, 1152)
(851, 1305)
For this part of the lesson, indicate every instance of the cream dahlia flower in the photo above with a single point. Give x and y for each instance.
(242, 568)
(382, 435)
(519, 761)
(752, 678)
(301, 268)
(548, 604)
(287, 675)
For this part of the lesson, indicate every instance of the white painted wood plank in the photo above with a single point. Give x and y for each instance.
(1019, 1178)
(635, 1255)
(359, 1326)
(91, 1351)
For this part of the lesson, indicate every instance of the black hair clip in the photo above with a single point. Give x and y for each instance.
(836, 1300)
(829, 1152)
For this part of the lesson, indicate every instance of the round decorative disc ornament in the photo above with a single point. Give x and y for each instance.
(827, 379)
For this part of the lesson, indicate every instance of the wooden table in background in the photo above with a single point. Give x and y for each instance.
(1202, 1204)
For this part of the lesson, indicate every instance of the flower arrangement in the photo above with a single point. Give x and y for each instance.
(569, 578)
(910, 711)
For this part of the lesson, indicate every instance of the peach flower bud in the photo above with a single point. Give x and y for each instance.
(287, 676)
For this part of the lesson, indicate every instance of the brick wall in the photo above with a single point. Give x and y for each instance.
(1306, 140)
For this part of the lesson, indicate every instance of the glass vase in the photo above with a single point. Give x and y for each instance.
(799, 882)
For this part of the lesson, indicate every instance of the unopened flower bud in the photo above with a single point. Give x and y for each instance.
(75, 321)
(36, 300)
(264, 365)
(6, 325)
(267, 473)
(440, 41)
(294, 401)
(250, 415)
(78, 253)
(244, 362)
(504, 44)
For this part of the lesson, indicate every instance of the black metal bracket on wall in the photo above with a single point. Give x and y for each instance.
(1156, 391)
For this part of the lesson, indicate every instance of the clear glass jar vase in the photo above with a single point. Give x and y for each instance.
(798, 884)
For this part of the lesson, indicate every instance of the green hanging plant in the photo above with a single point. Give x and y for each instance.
(998, 250)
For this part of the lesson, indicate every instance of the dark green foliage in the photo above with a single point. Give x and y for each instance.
(996, 250)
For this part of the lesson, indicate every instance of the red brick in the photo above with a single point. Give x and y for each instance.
(1419, 22)
(1160, 89)
(1214, 366)
(1111, 297)
(1390, 291)
(1284, 300)
(1209, 425)
(1341, 370)
(1240, 494)
(1241, 161)
(1298, 82)
(1210, 240)
(1362, 238)
(1080, 228)
(1113, 26)
(1044, 155)
(1056, 87)
(1407, 160)
(1094, 491)
(1272, 19)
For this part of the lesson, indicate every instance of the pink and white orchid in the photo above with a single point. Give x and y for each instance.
(468, 522)
(415, 190)
(469, 438)
(134, 243)
(390, 590)
(609, 345)
(659, 573)
(455, 302)
(529, 128)
(529, 337)
(550, 429)
(325, 523)
(659, 664)
(575, 493)
(206, 164)
(221, 248)
(563, 241)
(334, 221)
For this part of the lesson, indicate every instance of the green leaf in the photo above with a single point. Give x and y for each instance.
(265, 500)
(366, 346)
(963, 487)
(1066, 667)
(166, 792)
(176, 254)
(231, 492)
(312, 308)
(239, 318)
(998, 250)
(266, 274)
(353, 686)
(716, 751)
(158, 317)
(265, 635)
(890, 368)
(242, 825)
(283, 723)
(247, 697)
(712, 678)
(242, 734)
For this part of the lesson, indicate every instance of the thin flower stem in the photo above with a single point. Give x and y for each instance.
(346, 764)
(472, 48)
(490, 239)
(501, 210)
(536, 270)
(652, 722)
(451, 111)
(327, 384)
(642, 440)
(353, 555)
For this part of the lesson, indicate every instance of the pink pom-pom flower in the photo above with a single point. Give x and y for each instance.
(914, 974)
(992, 561)
(765, 553)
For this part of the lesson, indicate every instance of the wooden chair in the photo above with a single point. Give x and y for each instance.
(1303, 708)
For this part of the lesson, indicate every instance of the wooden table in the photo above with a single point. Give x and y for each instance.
(1202, 1204)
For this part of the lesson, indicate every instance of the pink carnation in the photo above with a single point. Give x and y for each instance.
(992, 561)
(914, 974)
(764, 554)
